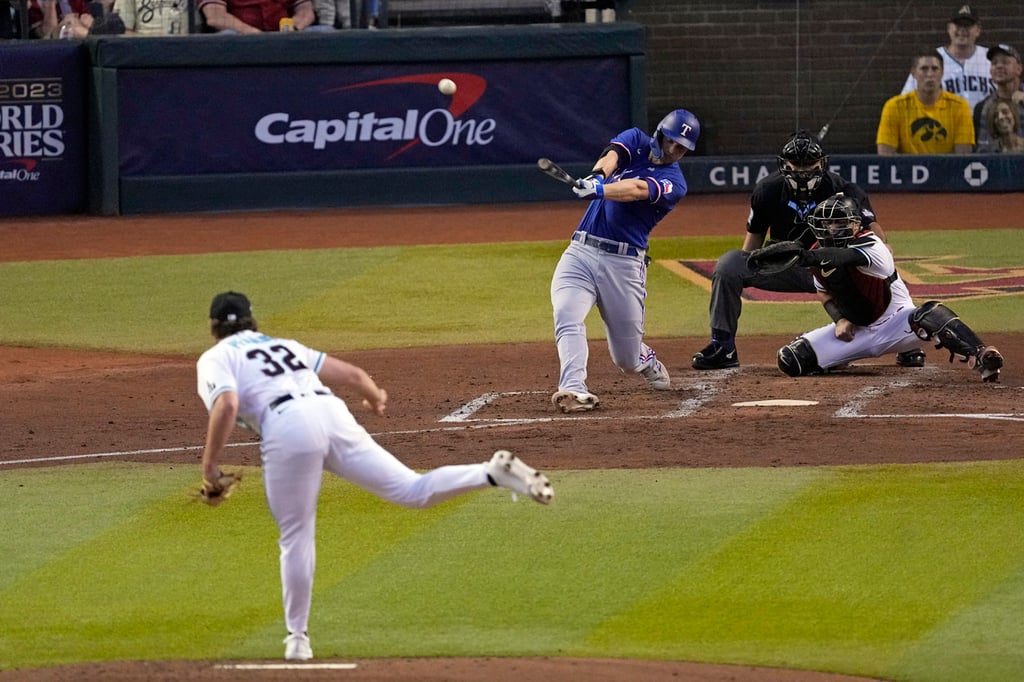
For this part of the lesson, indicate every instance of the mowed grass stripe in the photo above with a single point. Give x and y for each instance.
(501, 579)
(850, 575)
(404, 580)
(979, 642)
(404, 296)
(868, 570)
(171, 578)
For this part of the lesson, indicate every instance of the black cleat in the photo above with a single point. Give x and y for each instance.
(910, 358)
(989, 361)
(714, 356)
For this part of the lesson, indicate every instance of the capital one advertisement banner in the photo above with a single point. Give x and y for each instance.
(42, 128)
(339, 117)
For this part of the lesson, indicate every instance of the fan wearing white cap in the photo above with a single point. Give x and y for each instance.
(965, 64)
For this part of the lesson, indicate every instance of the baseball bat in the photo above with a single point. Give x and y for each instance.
(552, 169)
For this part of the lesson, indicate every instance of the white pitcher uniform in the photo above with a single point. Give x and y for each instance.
(304, 430)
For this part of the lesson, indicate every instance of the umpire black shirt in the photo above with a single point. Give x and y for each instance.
(774, 210)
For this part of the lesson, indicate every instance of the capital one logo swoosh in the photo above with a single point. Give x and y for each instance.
(468, 89)
(19, 170)
(27, 164)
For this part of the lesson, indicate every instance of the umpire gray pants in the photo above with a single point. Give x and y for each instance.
(731, 276)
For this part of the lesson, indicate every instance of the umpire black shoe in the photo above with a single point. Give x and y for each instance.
(910, 358)
(714, 356)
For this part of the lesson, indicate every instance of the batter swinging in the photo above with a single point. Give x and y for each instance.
(634, 184)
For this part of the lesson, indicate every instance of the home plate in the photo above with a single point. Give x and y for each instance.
(777, 402)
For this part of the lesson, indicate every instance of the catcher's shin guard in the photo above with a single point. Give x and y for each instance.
(935, 322)
(798, 358)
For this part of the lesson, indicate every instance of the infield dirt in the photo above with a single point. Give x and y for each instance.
(69, 402)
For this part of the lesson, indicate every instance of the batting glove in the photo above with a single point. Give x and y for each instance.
(589, 187)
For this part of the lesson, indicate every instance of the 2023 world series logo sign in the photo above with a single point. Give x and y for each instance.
(31, 126)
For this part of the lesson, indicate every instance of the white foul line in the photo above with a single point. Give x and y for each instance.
(1010, 416)
(123, 453)
(287, 666)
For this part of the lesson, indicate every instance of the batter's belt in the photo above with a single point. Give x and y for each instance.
(608, 245)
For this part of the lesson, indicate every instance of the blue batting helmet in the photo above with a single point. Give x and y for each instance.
(679, 126)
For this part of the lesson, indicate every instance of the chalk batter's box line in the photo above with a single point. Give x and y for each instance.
(462, 419)
(852, 409)
(464, 415)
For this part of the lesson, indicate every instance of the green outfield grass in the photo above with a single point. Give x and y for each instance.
(345, 299)
(903, 572)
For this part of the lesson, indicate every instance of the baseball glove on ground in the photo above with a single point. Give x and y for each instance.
(777, 257)
(215, 492)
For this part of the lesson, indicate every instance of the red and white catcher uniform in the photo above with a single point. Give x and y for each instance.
(876, 295)
(872, 312)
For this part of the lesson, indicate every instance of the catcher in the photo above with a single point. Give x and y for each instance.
(871, 309)
(780, 206)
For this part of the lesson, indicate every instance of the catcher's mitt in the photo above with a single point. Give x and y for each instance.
(215, 492)
(777, 257)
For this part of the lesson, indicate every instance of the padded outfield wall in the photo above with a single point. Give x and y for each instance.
(215, 122)
(307, 120)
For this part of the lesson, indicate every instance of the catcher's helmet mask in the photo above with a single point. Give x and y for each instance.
(836, 220)
(803, 162)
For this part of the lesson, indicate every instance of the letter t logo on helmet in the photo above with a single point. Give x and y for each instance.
(680, 126)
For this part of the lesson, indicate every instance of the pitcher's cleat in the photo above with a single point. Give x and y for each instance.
(508, 471)
(571, 401)
(296, 647)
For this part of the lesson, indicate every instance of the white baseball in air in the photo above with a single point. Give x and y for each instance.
(446, 86)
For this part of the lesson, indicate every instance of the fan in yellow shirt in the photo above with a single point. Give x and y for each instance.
(928, 120)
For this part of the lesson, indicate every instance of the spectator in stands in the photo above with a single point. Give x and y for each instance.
(1003, 123)
(48, 18)
(255, 16)
(965, 63)
(1006, 75)
(153, 17)
(928, 120)
(346, 13)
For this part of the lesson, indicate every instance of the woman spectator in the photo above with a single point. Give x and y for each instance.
(1003, 122)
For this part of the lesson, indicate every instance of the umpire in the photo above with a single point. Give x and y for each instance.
(780, 207)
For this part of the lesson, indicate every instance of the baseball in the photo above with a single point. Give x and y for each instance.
(446, 86)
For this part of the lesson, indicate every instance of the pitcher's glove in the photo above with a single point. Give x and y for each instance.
(779, 257)
(215, 492)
